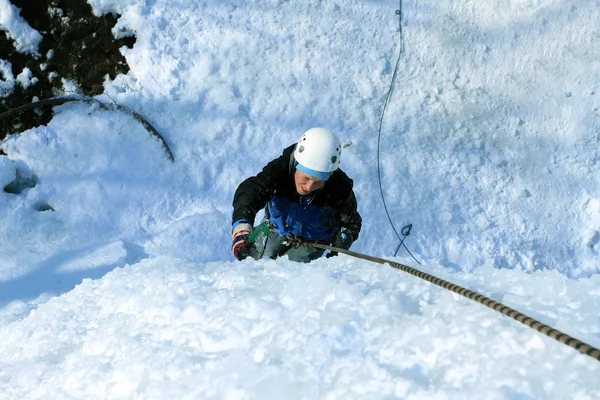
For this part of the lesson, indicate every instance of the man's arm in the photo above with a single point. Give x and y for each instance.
(349, 216)
(253, 194)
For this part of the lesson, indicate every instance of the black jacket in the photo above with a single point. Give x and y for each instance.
(277, 178)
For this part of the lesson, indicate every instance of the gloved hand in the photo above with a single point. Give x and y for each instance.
(240, 247)
(343, 240)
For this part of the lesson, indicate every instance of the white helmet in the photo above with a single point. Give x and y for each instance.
(318, 153)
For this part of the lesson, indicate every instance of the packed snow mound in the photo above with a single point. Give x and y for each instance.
(335, 328)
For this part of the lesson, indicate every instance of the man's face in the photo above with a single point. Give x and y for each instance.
(306, 184)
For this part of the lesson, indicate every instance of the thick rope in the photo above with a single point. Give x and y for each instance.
(55, 101)
(582, 347)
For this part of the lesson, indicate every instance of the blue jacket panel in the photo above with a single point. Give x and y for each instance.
(313, 222)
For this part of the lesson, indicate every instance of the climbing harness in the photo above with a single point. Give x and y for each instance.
(407, 228)
(293, 242)
(55, 101)
(582, 347)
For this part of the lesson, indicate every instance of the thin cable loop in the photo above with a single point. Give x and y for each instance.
(385, 104)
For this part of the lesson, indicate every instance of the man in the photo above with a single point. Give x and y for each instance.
(305, 195)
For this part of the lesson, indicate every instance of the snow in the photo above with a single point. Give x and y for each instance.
(26, 79)
(7, 83)
(167, 328)
(116, 279)
(26, 38)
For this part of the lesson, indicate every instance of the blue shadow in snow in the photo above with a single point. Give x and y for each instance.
(512, 394)
(46, 277)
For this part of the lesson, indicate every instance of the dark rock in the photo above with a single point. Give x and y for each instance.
(76, 45)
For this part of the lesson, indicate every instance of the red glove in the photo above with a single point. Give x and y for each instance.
(240, 247)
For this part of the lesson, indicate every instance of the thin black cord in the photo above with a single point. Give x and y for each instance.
(385, 104)
(406, 232)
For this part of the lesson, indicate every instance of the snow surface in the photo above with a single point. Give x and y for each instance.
(490, 148)
(26, 38)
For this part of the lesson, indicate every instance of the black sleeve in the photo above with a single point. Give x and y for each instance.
(349, 216)
(253, 194)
